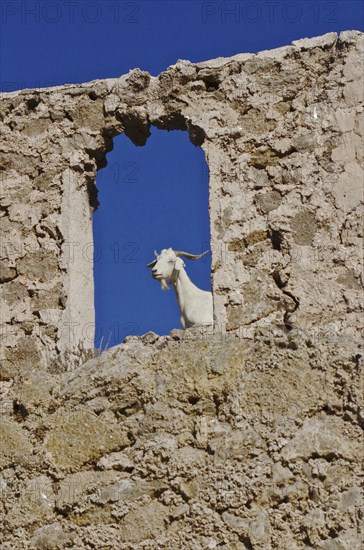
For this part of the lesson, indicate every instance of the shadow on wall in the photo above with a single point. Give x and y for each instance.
(151, 197)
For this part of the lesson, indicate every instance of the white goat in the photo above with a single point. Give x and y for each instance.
(195, 304)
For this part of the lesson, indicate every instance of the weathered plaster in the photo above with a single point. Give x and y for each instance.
(282, 134)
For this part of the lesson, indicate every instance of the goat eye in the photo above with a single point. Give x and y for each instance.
(171, 261)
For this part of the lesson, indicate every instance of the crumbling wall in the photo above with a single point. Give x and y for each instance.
(282, 134)
(188, 441)
(191, 440)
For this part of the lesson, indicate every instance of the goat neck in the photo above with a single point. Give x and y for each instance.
(182, 285)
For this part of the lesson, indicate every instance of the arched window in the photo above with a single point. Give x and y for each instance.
(151, 197)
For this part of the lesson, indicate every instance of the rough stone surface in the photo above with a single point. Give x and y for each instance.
(194, 441)
(282, 132)
(248, 436)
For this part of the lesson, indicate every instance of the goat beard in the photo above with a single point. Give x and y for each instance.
(164, 285)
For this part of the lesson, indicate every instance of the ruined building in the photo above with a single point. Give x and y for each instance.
(246, 437)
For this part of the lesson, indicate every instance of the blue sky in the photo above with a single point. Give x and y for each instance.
(154, 196)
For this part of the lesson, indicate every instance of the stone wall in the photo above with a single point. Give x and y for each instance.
(248, 438)
(282, 133)
(188, 442)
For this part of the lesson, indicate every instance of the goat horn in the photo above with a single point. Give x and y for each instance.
(190, 256)
(156, 254)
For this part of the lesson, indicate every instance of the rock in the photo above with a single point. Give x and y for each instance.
(259, 529)
(115, 461)
(7, 273)
(145, 523)
(236, 523)
(81, 436)
(34, 390)
(74, 489)
(35, 504)
(25, 355)
(50, 536)
(15, 445)
(318, 41)
(346, 541)
(348, 188)
(40, 265)
(180, 511)
(324, 437)
(304, 227)
(351, 497)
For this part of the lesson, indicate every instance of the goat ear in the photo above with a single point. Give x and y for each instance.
(152, 264)
(178, 264)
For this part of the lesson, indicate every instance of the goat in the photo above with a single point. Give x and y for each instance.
(195, 304)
